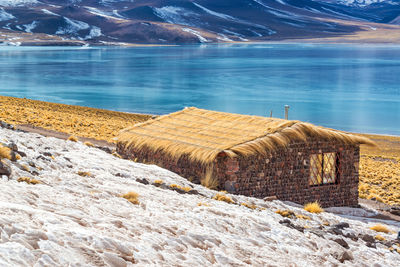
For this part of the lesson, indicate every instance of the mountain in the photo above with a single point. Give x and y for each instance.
(192, 21)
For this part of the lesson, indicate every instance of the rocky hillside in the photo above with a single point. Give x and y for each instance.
(187, 21)
(66, 203)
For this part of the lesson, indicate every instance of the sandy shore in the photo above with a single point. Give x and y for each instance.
(379, 166)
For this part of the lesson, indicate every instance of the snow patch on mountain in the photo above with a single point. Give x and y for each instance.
(176, 15)
(31, 26)
(362, 3)
(10, 3)
(48, 12)
(4, 15)
(108, 15)
(196, 33)
(72, 26)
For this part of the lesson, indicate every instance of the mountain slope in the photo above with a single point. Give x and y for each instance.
(192, 21)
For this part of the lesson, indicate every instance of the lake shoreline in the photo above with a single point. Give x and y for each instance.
(378, 164)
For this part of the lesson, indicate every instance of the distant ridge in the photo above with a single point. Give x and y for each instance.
(188, 21)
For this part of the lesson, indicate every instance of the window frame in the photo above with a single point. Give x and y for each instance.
(318, 179)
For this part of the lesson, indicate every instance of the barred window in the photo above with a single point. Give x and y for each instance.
(324, 169)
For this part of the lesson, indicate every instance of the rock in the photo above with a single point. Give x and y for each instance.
(43, 158)
(6, 125)
(5, 168)
(270, 198)
(317, 232)
(371, 245)
(22, 154)
(143, 181)
(395, 210)
(288, 223)
(13, 147)
(193, 192)
(47, 154)
(335, 231)
(346, 256)
(351, 236)
(341, 242)
(341, 225)
(368, 238)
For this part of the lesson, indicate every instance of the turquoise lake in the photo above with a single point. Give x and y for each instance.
(352, 88)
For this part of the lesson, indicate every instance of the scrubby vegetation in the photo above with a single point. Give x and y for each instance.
(222, 197)
(81, 121)
(84, 174)
(5, 152)
(380, 228)
(73, 138)
(28, 180)
(380, 170)
(132, 197)
(313, 207)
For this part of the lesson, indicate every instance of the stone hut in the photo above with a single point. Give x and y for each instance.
(251, 155)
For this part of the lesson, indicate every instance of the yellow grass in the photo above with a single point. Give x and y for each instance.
(88, 144)
(159, 182)
(209, 180)
(285, 213)
(184, 188)
(204, 134)
(223, 197)
(313, 207)
(250, 206)
(84, 174)
(5, 152)
(132, 197)
(380, 238)
(28, 180)
(73, 138)
(380, 170)
(75, 120)
(380, 228)
(203, 204)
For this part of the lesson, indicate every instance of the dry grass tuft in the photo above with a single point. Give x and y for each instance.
(250, 206)
(223, 197)
(313, 207)
(286, 213)
(17, 156)
(380, 238)
(73, 138)
(209, 180)
(5, 152)
(184, 188)
(28, 180)
(132, 197)
(203, 204)
(88, 144)
(115, 154)
(380, 228)
(159, 182)
(303, 217)
(25, 167)
(84, 174)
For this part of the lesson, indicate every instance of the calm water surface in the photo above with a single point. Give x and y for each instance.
(354, 88)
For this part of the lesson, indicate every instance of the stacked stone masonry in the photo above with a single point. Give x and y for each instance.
(284, 173)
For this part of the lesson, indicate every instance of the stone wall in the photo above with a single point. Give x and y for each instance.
(192, 171)
(284, 173)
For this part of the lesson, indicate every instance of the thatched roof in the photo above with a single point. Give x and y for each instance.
(203, 134)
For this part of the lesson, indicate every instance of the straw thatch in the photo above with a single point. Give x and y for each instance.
(203, 134)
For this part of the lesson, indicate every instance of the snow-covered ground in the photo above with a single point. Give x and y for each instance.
(73, 220)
